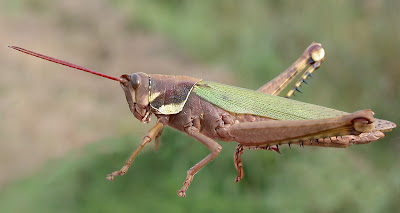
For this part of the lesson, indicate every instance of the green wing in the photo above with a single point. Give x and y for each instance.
(244, 101)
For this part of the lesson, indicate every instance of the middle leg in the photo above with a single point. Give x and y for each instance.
(213, 146)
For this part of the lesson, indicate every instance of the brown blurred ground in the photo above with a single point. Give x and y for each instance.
(46, 109)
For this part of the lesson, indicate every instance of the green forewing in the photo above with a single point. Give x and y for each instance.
(244, 101)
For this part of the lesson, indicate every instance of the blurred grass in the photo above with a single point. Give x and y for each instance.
(259, 39)
(256, 40)
(297, 181)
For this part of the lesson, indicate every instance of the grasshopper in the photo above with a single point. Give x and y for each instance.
(209, 111)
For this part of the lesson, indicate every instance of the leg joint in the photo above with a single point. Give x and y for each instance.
(217, 149)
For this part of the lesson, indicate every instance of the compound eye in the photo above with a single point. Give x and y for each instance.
(135, 81)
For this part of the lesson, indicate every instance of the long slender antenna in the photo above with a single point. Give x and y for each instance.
(58, 61)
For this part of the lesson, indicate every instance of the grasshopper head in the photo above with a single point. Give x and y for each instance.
(136, 88)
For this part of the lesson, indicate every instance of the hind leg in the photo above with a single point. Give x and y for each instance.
(311, 58)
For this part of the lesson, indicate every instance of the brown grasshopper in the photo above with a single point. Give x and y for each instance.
(209, 111)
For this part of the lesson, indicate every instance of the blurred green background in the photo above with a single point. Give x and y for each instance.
(62, 132)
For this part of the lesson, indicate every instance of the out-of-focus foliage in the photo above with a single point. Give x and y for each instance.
(300, 180)
(257, 40)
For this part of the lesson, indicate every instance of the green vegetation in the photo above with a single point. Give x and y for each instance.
(257, 40)
(308, 179)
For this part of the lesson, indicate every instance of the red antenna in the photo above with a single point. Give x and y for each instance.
(58, 61)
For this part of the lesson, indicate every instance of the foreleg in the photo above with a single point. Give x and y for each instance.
(150, 135)
(157, 140)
